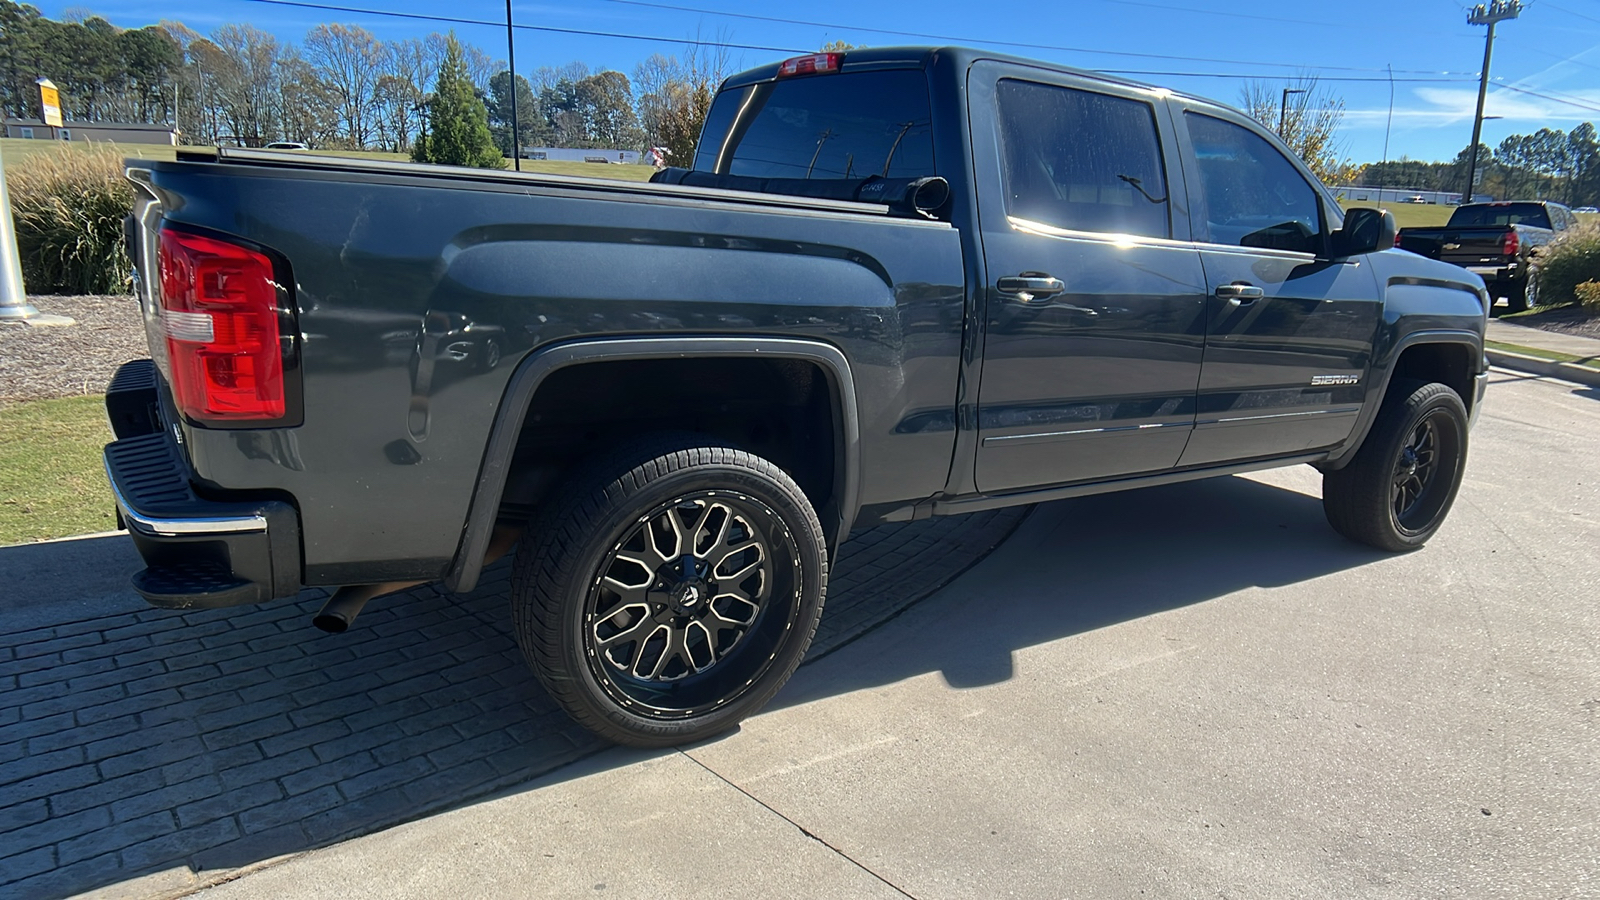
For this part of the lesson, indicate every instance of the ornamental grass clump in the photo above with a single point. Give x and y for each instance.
(68, 206)
(1589, 295)
(1569, 261)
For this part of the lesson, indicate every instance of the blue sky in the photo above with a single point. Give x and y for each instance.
(1197, 46)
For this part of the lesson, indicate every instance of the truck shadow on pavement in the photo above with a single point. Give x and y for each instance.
(152, 741)
(141, 740)
(1084, 564)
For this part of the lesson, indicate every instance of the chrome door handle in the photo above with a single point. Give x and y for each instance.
(1239, 294)
(1030, 287)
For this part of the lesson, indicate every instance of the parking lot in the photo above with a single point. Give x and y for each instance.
(1195, 690)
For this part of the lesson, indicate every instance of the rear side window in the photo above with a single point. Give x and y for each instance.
(1253, 196)
(1502, 214)
(822, 126)
(1080, 160)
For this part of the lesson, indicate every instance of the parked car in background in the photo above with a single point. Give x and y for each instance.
(1417, 198)
(287, 145)
(1587, 209)
(1499, 242)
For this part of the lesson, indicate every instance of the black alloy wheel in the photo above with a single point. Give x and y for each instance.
(670, 590)
(690, 584)
(1397, 490)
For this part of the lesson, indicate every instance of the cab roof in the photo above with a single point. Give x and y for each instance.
(915, 57)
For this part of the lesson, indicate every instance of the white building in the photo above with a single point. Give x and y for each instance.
(118, 132)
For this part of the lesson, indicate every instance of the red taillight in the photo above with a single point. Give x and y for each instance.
(219, 308)
(1397, 238)
(1512, 244)
(815, 64)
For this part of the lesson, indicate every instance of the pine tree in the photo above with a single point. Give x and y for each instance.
(458, 122)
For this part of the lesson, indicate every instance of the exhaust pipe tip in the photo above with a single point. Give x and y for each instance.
(332, 623)
(340, 612)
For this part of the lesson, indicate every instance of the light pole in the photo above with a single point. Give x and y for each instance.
(511, 62)
(14, 306)
(1283, 112)
(1490, 15)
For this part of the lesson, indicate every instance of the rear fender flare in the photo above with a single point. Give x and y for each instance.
(837, 517)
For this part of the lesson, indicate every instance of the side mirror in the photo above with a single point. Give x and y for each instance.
(1365, 231)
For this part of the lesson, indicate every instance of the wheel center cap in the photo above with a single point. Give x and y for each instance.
(689, 598)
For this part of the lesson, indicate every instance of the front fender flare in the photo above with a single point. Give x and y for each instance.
(1369, 410)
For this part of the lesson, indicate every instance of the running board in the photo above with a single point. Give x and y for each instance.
(996, 501)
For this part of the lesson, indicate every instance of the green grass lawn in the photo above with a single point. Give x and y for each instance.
(1409, 215)
(52, 482)
(17, 149)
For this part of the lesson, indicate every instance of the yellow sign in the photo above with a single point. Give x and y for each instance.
(50, 102)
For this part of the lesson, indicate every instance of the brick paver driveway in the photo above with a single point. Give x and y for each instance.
(215, 739)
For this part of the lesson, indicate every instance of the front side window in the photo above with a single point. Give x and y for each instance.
(1250, 194)
(849, 125)
(1080, 160)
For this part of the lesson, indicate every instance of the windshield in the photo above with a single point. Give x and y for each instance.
(1502, 214)
(822, 126)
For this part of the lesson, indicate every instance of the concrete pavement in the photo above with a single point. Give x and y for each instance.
(1196, 690)
(141, 746)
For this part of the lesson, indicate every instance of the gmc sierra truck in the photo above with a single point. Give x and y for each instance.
(895, 283)
(1498, 242)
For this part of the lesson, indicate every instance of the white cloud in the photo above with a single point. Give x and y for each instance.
(1445, 107)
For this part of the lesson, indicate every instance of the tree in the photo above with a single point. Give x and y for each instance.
(838, 47)
(458, 124)
(1310, 123)
(674, 97)
(349, 59)
(531, 128)
(247, 84)
(606, 103)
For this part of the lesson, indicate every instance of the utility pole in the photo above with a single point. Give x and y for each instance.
(511, 61)
(1490, 15)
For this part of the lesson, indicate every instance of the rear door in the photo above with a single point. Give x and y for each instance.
(1095, 313)
(1289, 332)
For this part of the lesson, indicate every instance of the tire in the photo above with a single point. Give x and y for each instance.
(1523, 294)
(651, 641)
(1399, 487)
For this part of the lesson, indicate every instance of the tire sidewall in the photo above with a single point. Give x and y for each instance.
(801, 530)
(1419, 403)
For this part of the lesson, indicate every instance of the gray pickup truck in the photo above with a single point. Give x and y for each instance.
(1499, 242)
(675, 401)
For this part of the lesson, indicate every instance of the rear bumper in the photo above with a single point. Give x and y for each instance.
(198, 552)
(1495, 273)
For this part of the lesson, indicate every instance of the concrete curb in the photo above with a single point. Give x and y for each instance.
(1546, 367)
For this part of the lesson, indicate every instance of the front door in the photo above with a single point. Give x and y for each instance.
(1289, 331)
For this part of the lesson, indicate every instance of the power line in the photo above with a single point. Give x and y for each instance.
(1507, 87)
(453, 20)
(1018, 44)
(457, 20)
(1568, 11)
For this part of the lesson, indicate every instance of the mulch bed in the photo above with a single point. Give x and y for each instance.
(37, 363)
(1569, 319)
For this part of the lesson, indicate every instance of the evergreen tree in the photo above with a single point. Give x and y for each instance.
(458, 122)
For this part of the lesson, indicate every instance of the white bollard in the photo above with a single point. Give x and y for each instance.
(14, 306)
